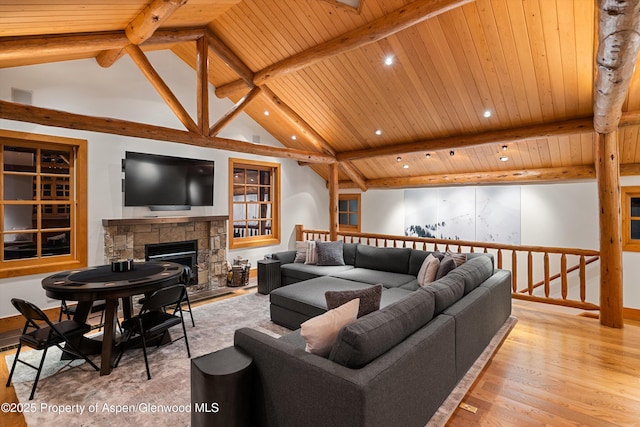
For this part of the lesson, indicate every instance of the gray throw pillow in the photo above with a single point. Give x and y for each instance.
(446, 265)
(330, 253)
(371, 336)
(369, 299)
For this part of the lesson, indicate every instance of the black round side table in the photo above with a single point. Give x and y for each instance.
(221, 389)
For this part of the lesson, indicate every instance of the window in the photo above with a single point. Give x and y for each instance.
(349, 212)
(254, 203)
(43, 203)
(631, 218)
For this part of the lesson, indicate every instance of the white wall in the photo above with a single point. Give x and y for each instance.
(122, 92)
(558, 215)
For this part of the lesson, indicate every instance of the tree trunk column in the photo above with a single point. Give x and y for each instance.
(333, 201)
(608, 174)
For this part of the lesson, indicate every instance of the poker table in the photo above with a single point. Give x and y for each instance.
(90, 284)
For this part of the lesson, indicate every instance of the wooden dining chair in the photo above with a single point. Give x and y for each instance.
(46, 334)
(154, 321)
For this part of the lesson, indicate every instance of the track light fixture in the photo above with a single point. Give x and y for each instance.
(452, 153)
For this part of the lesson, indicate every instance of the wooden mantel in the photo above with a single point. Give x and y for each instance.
(162, 220)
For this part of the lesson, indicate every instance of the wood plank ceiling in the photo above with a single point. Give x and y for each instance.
(529, 63)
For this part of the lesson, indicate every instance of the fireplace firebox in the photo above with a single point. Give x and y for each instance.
(185, 253)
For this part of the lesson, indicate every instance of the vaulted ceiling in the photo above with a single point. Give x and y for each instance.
(468, 78)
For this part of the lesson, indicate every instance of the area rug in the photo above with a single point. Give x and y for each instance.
(78, 396)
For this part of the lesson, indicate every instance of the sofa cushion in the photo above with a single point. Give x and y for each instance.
(474, 272)
(446, 291)
(308, 297)
(320, 332)
(446, 265)
(301, 252)
(373, 277)
(428, 270)
(349, 253)
(362, 341)
(307, 271)
(369, 299)
(312, 253)
(394, 260)
(459, 258)
(330, 253)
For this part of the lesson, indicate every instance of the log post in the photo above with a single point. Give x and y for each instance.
(299, 232)
(333, 201)
(608, 174)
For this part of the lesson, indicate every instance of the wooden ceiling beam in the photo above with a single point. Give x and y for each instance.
(618, 45)
(480, 178)
(312, 136)
(12, 48)
(141, 28)
(165, 92)
(202, 84)
(567, 127)
(234, 112)
(230, 58)
(378, 29)
(61, 119)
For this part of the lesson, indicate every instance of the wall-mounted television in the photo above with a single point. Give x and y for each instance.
(167, 183)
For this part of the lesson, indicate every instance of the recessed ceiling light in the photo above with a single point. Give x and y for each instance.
(487, 113)
(378, 132)
(294, 137)
(405, 166)
(504, 158)
(388, 60)
(428, 155)
(266, 112)
(398, 159)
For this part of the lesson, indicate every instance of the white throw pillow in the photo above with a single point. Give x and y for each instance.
(301, 252)
(312, 252)
(428, 270)
(320, 332)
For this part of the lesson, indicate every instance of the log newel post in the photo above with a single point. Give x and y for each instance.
(608, 173)
(333, 201)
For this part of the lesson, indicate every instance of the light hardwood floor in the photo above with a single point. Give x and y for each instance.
(554, 369)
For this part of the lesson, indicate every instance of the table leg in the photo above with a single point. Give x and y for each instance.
(106, 362)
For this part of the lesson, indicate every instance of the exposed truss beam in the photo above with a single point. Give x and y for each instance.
(618, 44)
(385, 26)
(567, 127)
(229, 57)
(13, 48)
(234, 112)
(165, 92)
(49, 117)
(312, 135)
(479, 178)
(142, 27)
(202, 84)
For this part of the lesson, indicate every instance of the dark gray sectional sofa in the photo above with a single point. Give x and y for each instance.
(394, 366)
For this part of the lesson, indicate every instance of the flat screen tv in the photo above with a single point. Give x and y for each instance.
(167, 183)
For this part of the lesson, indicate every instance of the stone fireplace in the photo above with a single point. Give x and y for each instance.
(127, 238)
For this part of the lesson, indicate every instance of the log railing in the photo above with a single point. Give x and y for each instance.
(568, 286)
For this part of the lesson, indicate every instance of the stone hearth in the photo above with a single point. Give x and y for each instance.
(126, 238)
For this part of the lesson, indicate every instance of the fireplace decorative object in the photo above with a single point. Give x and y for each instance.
(185, 253)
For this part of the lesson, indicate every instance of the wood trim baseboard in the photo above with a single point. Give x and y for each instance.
(631, 314)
